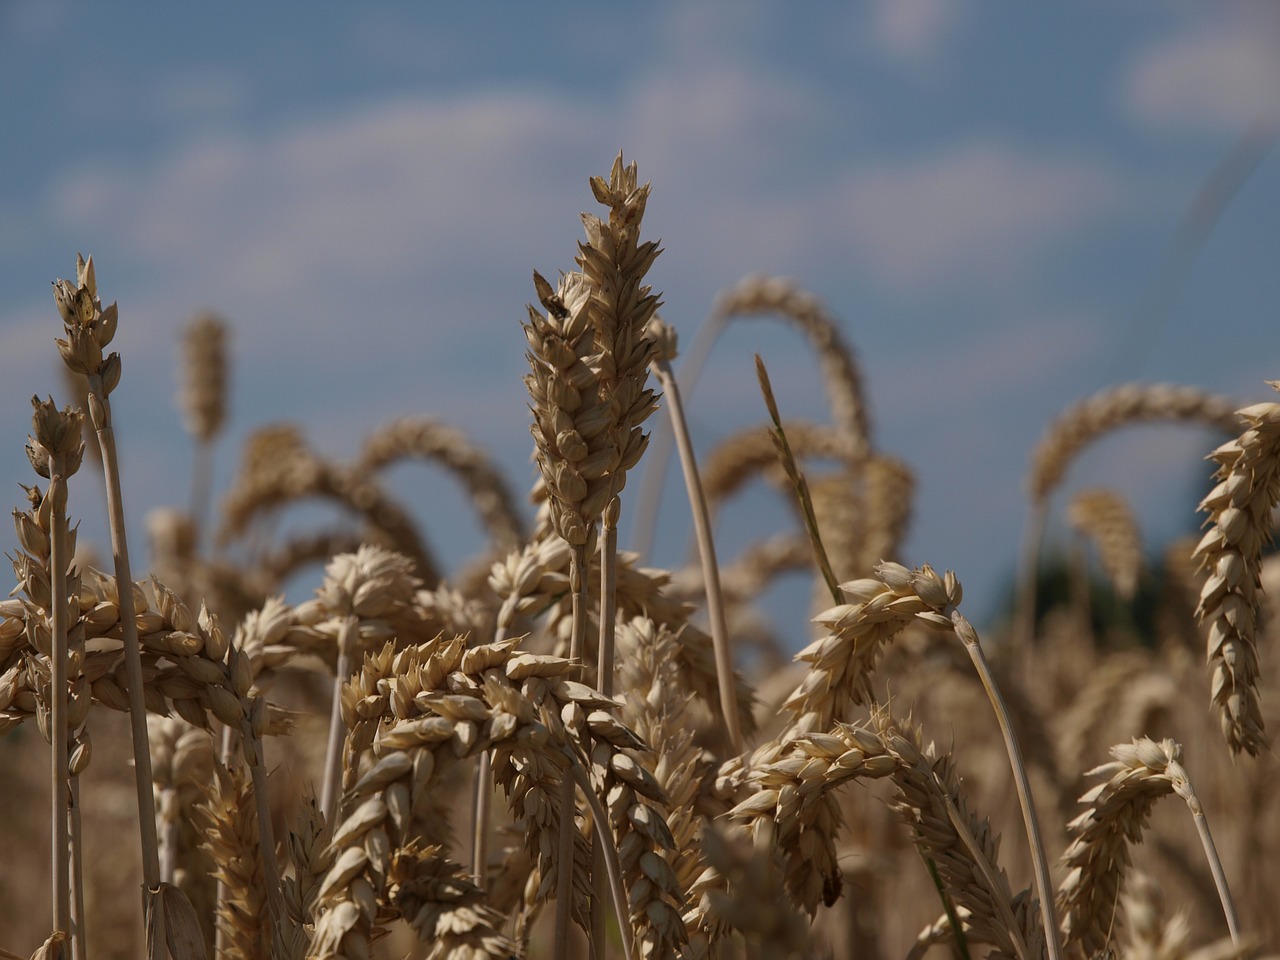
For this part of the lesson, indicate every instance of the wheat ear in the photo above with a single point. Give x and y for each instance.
(202, 396)
(1105, 518)
(89, 328)
(1230, 553)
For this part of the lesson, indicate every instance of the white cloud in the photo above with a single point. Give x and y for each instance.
(913, 29)
(1215, 76)
(977, 213)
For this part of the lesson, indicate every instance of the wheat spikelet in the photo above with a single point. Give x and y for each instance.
(1105, 518)
(1114, 408)
(310, 856)
(429, 440)
(202, 395)
(758, 295)
(1239, 509)
(231, 840)
(536, 581)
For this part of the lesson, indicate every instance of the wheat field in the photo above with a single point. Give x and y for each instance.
(565, 752)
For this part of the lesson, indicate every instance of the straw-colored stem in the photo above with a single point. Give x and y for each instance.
(792, 467)
(79, 950)
(564, 885)
(201, 489)
(337, 729)
(480, 818)
(612, 862)
(59, 773)
(266, 836)
(1044, 884)
(100, 410)
(1215, 863)
(604, 683)
(1024, 614)
(707, 551)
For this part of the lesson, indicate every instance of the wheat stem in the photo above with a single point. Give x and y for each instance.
(1044, 884)
(59, 775)
(707, 552)
(337, 729)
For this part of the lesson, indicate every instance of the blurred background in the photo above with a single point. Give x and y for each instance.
(1009, 207)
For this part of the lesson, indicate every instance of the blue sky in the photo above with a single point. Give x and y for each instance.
(982, 192)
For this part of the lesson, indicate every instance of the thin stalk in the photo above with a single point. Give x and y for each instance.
(611, 861)
(564, 884)
(604, 683)
(1044, 885)
(79, 949)
(1215, 864)
(219, 930)
(266, 836)
(798, 482)
(100, 411)
(480, 818)
(201, 490)
(707, 551)
(949, 908)
(60, 773)
(337, 729)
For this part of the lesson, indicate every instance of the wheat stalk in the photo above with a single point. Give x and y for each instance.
(89, 329)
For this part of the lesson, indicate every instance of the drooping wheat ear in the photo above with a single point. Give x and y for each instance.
(1083, 423)
(754, 296)
(655, 703)
(182, 764)
(281, 563)
(421, 438)
(744, 455)
(930, 801)
(89, 329)
(231, 839)
(362, 594)
(1230, 554)
(1141, 773)
(843, 660)
(756, 567)
(1104, 517)
(278, 469)
(1112, 409)
(789, 786)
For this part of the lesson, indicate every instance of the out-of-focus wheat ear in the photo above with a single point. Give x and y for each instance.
(889, 489)
(202, 397)
(751, 452)
(89, 329)
(665, 338)
(1230, 555)
(1077, 427)
(55, 449)
(1044, 883)
(1141, 773)
(425, 439)
(1104, 517)
(755, 296)
(798, 483)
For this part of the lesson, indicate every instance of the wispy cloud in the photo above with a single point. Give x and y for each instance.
(978, 213)
(913, 30)
(1220, 74)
